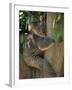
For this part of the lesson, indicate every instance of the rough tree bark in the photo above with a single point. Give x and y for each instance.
(50, 23)
(55, 56)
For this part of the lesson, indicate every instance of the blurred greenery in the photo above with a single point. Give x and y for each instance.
(56, 35)
(27, 17)
(58, 30)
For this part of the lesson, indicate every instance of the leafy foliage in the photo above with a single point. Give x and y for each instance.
(27, 17)
(59, 22)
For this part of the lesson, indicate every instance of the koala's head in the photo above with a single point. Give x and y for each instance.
(36, 28)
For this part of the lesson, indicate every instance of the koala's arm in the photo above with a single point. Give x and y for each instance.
(45, 48)
(43, 43)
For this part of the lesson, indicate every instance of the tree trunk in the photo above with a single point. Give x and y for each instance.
(50, 23)
(55, 56)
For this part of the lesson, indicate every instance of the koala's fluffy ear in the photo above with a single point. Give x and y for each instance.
(36, 28)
